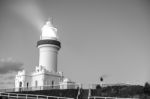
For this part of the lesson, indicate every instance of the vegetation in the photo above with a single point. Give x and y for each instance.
(137, 91)
(125, 91)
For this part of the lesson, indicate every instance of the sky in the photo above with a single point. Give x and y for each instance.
(108, 38)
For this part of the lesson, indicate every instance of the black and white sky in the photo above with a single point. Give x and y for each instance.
(108, 38)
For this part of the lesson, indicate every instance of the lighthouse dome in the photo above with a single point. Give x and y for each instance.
(49, 32)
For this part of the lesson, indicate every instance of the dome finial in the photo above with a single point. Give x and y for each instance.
(50, 19)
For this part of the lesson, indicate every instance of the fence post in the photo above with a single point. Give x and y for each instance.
(17, 96)
(26, 96)
(8, 96)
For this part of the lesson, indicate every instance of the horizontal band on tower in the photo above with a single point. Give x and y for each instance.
(54, 42)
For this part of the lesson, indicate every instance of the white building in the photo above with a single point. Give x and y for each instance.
(45, 75)
(67, 84)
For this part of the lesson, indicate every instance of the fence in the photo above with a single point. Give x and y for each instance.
(98, 97)
(48, 87)
(33, 96)
(30, 96)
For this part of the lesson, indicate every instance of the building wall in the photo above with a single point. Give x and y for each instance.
(52, 79)
(41, 78)
(67, 85)
(37, 81)
(22, 80)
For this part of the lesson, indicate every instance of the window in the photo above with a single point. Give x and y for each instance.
(36, 83)
(52, 83)
(27, 84)
(20, 84)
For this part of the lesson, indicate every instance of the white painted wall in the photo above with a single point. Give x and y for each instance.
(38, 77)
(41, 77)
(67, 84)
(23, 78)
(48, 57)
(52, 79)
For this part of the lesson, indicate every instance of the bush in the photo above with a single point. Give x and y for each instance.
(147, 88)
(98, 87)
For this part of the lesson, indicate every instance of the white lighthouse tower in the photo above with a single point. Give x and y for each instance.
(46, 73)
(48, 47)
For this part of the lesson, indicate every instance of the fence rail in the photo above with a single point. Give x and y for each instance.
(99, 97)
(31, 96)
(48, 87)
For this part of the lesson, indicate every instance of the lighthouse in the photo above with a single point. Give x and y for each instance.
(48, 47)
(45, 74)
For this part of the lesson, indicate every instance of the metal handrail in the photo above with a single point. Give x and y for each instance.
(94, 97)
(31, 96)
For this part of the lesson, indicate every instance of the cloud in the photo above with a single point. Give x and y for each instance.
(2, 82)
(10, 77)
(5, 84)
(7, 80)
(8, 69)
(9, 66)
(10, 82)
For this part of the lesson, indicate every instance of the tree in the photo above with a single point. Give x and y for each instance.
(147, 88)
(98, 87)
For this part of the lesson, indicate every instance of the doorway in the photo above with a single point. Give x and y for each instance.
(20, 86)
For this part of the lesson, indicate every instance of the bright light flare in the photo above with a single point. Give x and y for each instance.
(49, 32)
(30, 11)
